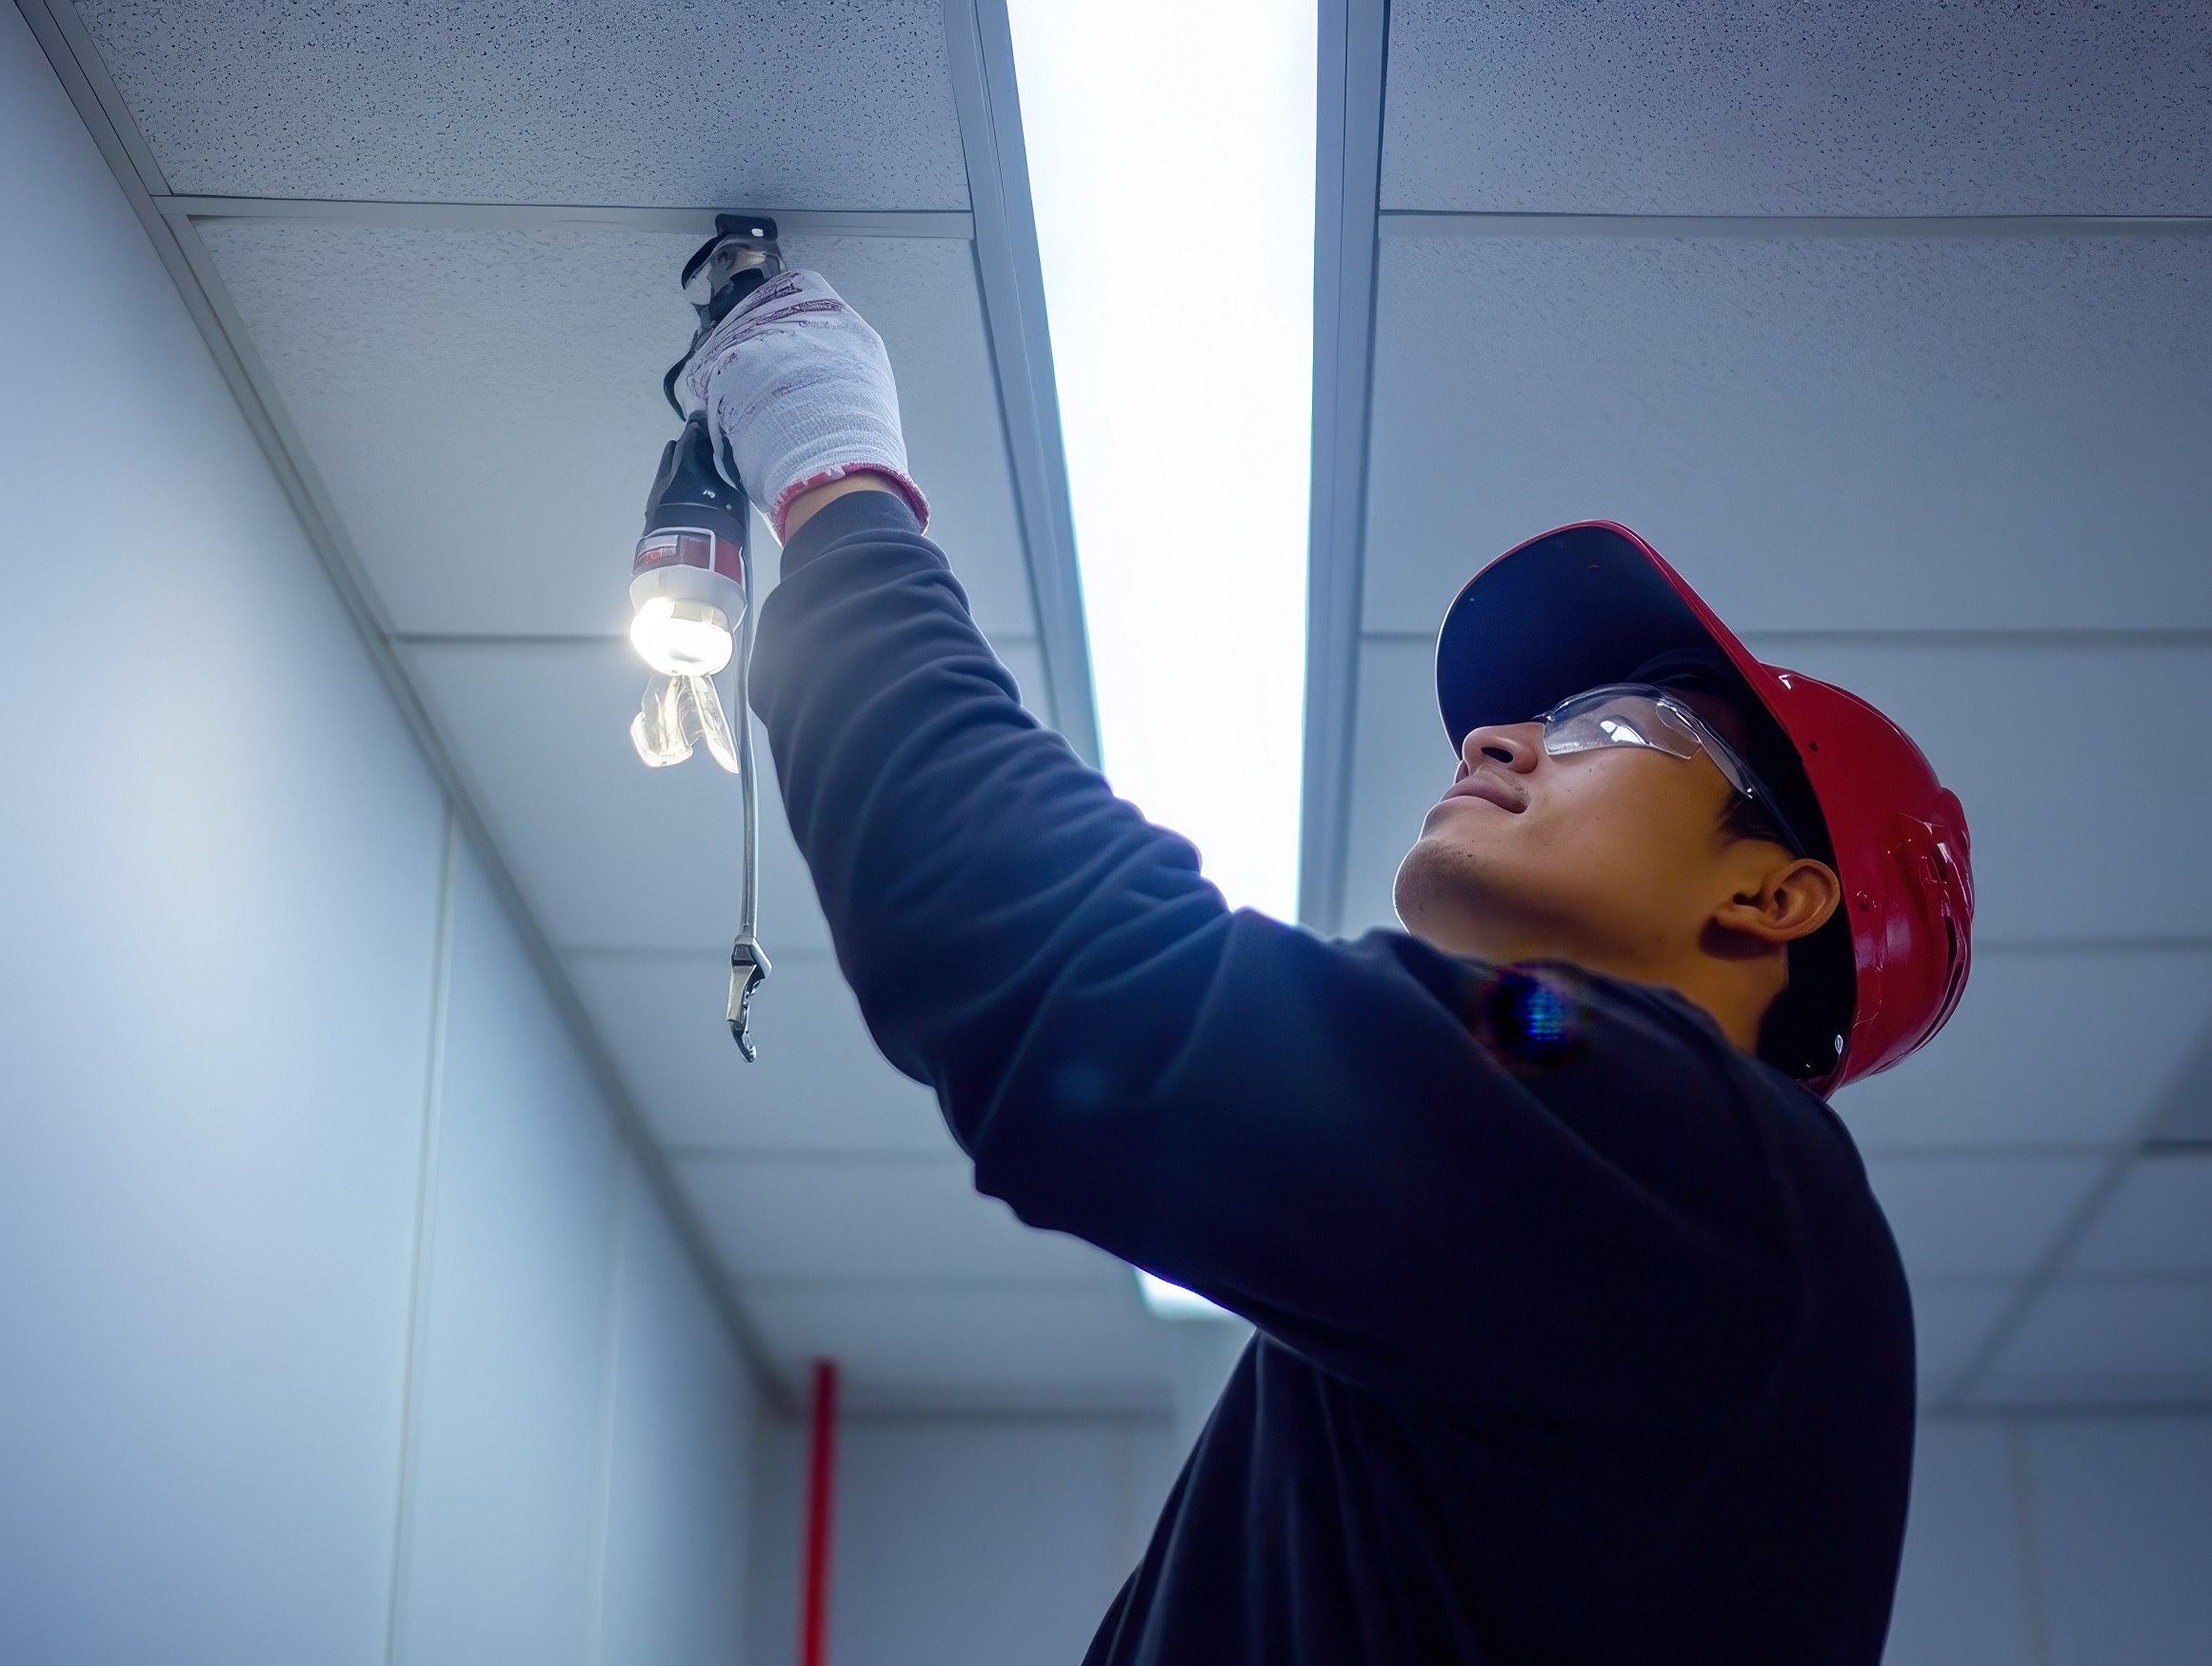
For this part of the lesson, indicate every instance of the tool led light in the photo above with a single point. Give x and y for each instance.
(681, 638)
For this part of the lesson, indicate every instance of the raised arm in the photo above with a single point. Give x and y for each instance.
(1307, 1132)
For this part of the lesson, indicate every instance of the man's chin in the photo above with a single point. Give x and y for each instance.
(1442, 895)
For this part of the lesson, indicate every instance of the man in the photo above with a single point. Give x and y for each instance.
(1580, 1337)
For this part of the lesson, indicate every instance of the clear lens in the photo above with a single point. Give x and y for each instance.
(1625, 715)
(1608, 717)
(681, 638)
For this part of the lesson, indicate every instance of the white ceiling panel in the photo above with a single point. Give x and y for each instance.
(2159, 1222)
(819, 1084)
(927, 1346)
(484, 405)
(794, 103)
(609, 853)
(2055, 752)
(1752, 107)
(2120, 1510)
(1951, 1318)
(920, 294)
(1977, 1217)
(870, 1219)
(2111, 1339)
(1965, 433)
(2045, 1050)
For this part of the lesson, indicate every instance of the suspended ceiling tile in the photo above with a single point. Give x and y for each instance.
(1951, 1318)
(923, 1348)
(819, 1084)
(920, 296)
(2159, 1222)
(484, 407)
(1977, 1217)
(794, 103)
(1750, 107)
(1967, 433)
(2066, 1049)
(2109, 1340)
(2040, 746)
(611, 854)
(901, 1219)
(2120, 1513)
(1960, 1591)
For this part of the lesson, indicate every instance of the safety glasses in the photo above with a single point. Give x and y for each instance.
(1640, 714)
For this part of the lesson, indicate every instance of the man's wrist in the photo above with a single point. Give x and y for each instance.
(807, 504)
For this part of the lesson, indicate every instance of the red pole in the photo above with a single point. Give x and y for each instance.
(821, 1466)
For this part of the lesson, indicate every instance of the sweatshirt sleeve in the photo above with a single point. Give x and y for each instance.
(1312, 1134)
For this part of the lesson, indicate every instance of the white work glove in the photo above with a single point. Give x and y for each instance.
(798, 388)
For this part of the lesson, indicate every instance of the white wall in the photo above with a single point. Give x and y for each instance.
(960, 1541)
(338, 1325)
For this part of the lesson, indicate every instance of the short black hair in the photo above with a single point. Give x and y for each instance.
(1803, 1032)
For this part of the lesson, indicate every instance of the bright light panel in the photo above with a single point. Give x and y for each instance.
(1171, 151)
(1172, 1302)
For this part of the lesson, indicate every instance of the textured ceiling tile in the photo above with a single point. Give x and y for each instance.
(816, 104)
(2082, 825)
(2120, 1510)
(484, 407)
(2045, 1050)
(1951, 1318)
(1770, 107)
(819, 1084)
(2159, 1222)
(897, 1220)
(609, 854)
(1962, 1593)
(920, 296)
(2111, 1339)
(952, 1348)
(1958, 432)
(1977, 1217)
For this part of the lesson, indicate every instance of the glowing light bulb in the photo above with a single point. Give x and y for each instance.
(681, 638)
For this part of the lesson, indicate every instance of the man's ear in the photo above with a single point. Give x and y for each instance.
(1790, 901)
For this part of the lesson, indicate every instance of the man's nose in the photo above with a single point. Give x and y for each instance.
(1517, 746)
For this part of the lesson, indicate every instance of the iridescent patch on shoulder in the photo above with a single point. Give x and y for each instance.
(1530, 1016)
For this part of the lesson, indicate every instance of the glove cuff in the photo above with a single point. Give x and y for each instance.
(897, 477)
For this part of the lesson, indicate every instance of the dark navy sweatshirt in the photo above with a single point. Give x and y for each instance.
(1580, 1335)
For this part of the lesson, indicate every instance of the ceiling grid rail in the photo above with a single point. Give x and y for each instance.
(1011, 274)
(1352, 58)
(1405, 223)
(934, 223)
(169, 225)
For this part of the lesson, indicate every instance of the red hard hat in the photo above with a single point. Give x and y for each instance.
(1593, 603)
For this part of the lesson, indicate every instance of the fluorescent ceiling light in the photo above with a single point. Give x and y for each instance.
(1172, 1302)
(1170, 148)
